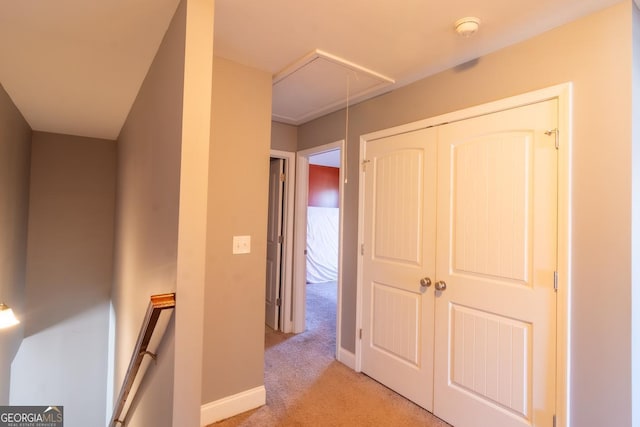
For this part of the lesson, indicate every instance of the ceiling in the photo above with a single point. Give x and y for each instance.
(75, 66)
(328, 158)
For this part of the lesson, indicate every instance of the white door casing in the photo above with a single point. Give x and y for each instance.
(399, 251)
(544, 385)
(298, 312)
(497, 240)
(274, 244)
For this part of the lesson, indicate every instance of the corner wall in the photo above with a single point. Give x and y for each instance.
(69, 274)
(15, 155)
(161, 217)
(284, 137)
(238, 192)
(595, 54)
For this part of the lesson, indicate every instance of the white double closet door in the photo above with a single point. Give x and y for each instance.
(470, 206)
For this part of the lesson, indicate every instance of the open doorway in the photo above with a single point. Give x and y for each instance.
(323, 232)
(318, 231)
(279, 272)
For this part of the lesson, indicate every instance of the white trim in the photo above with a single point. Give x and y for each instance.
(300, 244)
(358, 364)
(475, 111)
(299, 269)
(347, 358)
(286, 316)
(563, 320)
(232, 405)
(312, 56)
(563, 93)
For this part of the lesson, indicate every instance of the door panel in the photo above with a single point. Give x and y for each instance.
(395, 329)
(497, 199)
(274, 244)
(399, 250)
(488, 354)
(490, 195)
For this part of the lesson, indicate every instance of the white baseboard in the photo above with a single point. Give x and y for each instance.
(232, 405)
(347, 358)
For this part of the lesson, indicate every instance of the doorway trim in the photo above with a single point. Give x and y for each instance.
(286, 272)
(563, 93)
(300, 262)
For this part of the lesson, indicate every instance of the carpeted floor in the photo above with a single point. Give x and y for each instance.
(306, 386)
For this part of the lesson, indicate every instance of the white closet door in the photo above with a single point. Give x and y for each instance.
(497, 240)
(399, 251)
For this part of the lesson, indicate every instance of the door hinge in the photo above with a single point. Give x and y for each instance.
(555, 281)
(278, 302)
(362, 249)
(360, 333)
(554, 420)
(364, 165)
(280, 239)
(556, 133)
(283, 177)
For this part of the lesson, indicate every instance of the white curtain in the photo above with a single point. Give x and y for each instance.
(322, 244)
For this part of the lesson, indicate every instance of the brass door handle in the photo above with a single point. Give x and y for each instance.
(440, 285)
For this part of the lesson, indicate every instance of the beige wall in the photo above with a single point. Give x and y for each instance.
(635, 235)
(192, 226)
(15, 153)
(284, 137)
(69, 275)
(146, 233)
(595, 54)
(238, 190)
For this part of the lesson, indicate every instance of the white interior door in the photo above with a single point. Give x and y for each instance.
(497, 242)
(274, 243)
(398, 251)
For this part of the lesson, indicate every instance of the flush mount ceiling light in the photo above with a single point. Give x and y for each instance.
(468, 26)
(7, 318)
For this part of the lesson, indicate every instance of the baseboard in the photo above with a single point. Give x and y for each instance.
(347, 358)
(232, 405)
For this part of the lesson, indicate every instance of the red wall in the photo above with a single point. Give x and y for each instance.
(323, 186)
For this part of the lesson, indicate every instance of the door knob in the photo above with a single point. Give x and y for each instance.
(425, 282)
(440, 285)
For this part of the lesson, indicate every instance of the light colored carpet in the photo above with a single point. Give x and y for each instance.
(306, 386)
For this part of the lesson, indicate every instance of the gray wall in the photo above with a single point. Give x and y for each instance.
(63, 357)
(284, 137)
(15, 153)
(146, 233)
(238, 191)
(595, 54)
(162, 213)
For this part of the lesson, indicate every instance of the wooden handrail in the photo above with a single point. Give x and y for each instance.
(157, 304)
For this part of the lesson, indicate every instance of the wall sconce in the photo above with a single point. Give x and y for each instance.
(7, 318)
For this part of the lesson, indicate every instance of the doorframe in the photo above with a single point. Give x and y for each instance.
(300, 261)
(286, 270)
(564, 94)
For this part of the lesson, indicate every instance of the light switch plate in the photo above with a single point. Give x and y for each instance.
(241, 244)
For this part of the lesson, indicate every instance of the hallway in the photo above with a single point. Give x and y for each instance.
(306, 386)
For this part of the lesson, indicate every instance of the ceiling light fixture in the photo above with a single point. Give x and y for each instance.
(468, 26)
(7, 318)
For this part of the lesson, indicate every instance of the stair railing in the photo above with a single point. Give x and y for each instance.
(157, 305)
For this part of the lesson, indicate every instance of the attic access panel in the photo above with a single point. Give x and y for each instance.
(317, 84)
